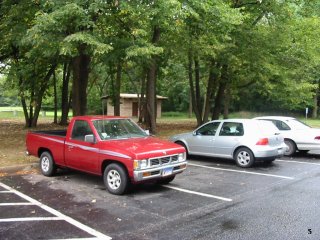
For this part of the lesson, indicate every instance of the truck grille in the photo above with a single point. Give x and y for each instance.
(163, 160)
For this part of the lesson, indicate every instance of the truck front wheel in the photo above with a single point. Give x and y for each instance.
(116, 179)
(47, 165)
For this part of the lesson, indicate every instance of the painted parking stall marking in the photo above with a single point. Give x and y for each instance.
(58, 216)
(240, 171)
(28, 219)
(292, 161)
(199, 193)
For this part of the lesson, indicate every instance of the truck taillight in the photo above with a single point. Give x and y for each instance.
(263, 141)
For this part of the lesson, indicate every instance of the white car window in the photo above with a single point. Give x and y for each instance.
(267, 127)
(296, 124)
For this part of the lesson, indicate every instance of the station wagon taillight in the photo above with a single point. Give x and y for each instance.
(263, 141)
(317, 138)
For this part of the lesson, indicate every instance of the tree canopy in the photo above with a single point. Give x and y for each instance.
(209, 56)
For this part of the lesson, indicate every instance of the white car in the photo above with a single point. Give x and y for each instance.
(297, 135)
(244, 140)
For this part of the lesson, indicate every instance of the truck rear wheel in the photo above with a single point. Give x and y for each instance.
(47, 165)
(116, 179)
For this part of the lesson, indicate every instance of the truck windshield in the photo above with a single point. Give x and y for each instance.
(118, 129)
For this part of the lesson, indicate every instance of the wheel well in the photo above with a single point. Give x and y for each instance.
(234, 152)
(41, 150)
(106, 163)
(288, 139)
(185, 145)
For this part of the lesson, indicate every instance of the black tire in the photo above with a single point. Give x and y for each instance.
(185, 147)
(244, 157)
(47, 165)
(303, 151)
(268, 162)
(116, 179)
(292, 148)
(166, 180)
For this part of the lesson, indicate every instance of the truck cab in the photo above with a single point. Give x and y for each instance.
(113, 147)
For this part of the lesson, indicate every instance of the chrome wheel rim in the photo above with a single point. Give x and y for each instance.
(243, 158)
(114, 179)
(45, 164)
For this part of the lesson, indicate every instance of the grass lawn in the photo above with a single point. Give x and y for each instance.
(13, 132)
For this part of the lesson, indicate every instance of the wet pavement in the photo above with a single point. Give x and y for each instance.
(212, 199)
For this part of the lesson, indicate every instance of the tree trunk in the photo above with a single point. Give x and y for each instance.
(315, 102)
(220, 94)
(226, 102)
(55, 117)
(23, 103)
(190, 105)
(196, 107)
(65, 94)
(117, 89)
(142, 102)
(40, 94)
(150, 98)
(197, 81)
(151, 87)
(211, 83)
(80, 83)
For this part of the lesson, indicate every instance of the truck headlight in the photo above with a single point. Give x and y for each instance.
(140, 164)
(181, 157)
(143, 164)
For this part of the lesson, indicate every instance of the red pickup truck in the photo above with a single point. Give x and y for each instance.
(113, 147)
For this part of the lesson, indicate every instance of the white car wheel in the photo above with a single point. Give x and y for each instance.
(291, 147)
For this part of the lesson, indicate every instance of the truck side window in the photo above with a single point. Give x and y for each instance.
(80, 129)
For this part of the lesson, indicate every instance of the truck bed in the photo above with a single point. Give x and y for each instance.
(59, 133)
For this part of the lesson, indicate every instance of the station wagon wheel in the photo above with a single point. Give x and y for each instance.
(116, 179)
(244, 157)
(47, 165)
(291, 147)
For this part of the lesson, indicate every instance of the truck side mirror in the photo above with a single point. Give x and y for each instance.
(89, 138)
(147, 132)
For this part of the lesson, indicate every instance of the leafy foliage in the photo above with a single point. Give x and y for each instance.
(253, 51)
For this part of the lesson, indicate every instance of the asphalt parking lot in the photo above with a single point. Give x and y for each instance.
(212, 199)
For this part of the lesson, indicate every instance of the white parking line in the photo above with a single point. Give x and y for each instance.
(17, 204)
(59, 216)
(241, 171)
(289, 161)
(199, 193)
(76, 239)
(27, 219)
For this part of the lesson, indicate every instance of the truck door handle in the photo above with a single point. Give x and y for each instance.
(70, 147)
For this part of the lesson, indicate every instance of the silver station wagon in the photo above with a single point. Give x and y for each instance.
(244, 140)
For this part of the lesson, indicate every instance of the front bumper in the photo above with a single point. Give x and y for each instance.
(159, 172)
